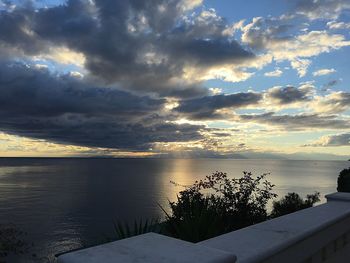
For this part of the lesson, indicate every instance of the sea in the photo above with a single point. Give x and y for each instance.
(63, 204)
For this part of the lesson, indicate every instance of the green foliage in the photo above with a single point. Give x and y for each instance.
(292, 202)
(230, 204)
(217, 205)
(344, 181)
(124, 230)
(194, 218)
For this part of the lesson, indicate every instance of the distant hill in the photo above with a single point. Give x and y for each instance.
(255, 155)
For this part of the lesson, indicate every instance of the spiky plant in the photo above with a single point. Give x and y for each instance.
(124, 230)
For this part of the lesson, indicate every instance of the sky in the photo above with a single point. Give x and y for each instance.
(175, 78)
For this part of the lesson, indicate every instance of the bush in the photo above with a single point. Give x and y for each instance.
(344, 181)
(230, 204)
(292, 202)
(217, 205)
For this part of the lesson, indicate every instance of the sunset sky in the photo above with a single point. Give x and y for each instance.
(175, 78)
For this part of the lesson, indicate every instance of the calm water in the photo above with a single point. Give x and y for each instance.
(67, 203)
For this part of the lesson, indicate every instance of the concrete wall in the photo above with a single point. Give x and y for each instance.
(318, 234)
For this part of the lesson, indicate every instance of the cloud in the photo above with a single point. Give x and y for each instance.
(131, 74)
(150, 47)
(215, 91)
(189, 4)
(333, 103)
(63, 55)
(280, 38)
(60, 108)
(330, 84)
(322, 72)
(262, 32)
(342, 139)
(338, 25)
(289, 94)
(322, 9)
(207, 107)
(233, 28)
(301, 65)
(297, 122)
(275, 73)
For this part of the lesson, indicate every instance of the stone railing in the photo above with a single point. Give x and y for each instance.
(318, 234)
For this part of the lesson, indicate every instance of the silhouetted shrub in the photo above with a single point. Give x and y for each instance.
(344, 181)
(217, 205)
(230, 204)
(292, 202)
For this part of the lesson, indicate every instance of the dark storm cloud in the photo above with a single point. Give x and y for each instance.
(64, 109)
(15, 33)
(289, 94)
(298, 122)
(205, 107)
(117, 38)
(29, 90)
(208, 52)
(100, 132)
(141, 47)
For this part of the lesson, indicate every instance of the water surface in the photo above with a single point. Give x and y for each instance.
(66, 203)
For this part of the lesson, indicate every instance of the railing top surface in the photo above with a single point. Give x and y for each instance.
(338, 196)
(148, 248)
(267, 238)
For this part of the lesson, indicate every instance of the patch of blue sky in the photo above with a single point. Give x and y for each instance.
(249, 111)
(317, 25)
(46, 3)
(222, 125)
(290, 111)
(347, 113)
(338, 60)
(344, 16)
(237, 10)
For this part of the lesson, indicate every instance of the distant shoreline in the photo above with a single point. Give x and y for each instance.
(159, 158)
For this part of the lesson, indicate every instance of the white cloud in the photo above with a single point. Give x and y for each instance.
(215, 91)
(324, 71)
(338, 25)
(228, 73)
(230, 30)
(76, 74)
(275, 73)
(332, 103)
(301, 65)
(64, 55)
(322, 9)
(274, 36)
(186, 5)
(41, 66)
(308, 45)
